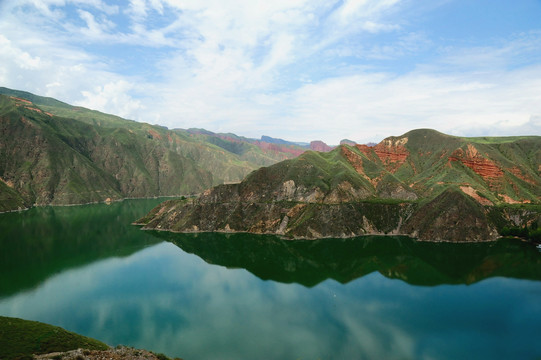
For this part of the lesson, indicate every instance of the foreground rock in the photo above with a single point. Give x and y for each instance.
(118, 353)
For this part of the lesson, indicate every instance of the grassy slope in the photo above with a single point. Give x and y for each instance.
(429, 168)
(10, 199)
(80, 155)
(44, 158)
(20, 339)
(311, 170)
(243, 147)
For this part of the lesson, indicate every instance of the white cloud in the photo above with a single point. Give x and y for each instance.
(280, 68)
(370, 104)
(93, 28)
(22, 59)
(112, 97)
(138, 8)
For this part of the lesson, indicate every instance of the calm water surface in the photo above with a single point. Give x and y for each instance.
(211, 296)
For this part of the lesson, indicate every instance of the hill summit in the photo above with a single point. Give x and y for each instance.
(425, 184)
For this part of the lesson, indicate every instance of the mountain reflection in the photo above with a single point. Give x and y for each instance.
(311, 262)
(44, 241)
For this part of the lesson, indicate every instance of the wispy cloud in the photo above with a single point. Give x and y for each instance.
(293, 69)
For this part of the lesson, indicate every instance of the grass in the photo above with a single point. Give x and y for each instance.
(19, 339)
(496, 140)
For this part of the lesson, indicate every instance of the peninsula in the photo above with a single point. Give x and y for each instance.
(424, 184)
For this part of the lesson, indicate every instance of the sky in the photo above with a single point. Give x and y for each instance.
(300, 70)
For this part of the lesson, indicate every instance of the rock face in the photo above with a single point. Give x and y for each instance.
(392, 152)
(404, 185)
(117, 353)
(485, 167)
(451, 216)
(290, 219)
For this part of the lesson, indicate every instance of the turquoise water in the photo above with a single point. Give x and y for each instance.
(213, 296)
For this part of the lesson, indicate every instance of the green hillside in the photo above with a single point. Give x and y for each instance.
(20, 339)
(55, 153)
(424, 184)
(417, 165)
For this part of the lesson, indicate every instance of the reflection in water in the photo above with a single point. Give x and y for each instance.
(311, 262)
(87, 270)
(46, 240)
(166, 300)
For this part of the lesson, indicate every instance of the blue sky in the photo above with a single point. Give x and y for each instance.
(295, 69)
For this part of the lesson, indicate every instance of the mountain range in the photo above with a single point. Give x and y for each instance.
(55, 153)
(423, 184)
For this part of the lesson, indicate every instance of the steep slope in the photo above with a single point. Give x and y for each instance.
(451, 215)
(55, 153)
(424, 184)
(495, 170)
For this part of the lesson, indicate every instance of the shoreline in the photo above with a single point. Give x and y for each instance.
(97, 202)
(142, 227)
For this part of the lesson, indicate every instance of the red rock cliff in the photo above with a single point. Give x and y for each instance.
(470, 157)
(392, 152)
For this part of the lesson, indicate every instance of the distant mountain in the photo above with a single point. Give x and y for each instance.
(278, 148)
(316, 145)
(272, 140)
(424, 184)
(320, 146)
(55, 153)
(347, 142)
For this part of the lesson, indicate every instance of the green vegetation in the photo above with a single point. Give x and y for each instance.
(531, 232)
(497, 140)
(55, 153)
(19, 339)
(10, 199)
